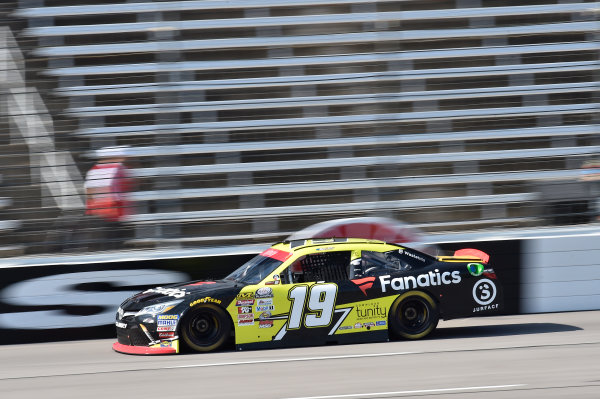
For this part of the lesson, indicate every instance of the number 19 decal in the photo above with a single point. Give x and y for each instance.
(321, 301)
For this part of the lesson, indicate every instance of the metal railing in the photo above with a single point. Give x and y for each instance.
(246, 124)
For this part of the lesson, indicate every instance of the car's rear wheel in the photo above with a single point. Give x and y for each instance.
(206, 328)
(413, 315)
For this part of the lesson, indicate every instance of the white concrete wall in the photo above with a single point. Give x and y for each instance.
(560, 273)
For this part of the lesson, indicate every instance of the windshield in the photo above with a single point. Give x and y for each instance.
(255, 270)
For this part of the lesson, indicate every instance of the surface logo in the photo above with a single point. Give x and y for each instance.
(484, 291)
(364, 283)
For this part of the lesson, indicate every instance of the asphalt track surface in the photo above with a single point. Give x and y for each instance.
(553, 355)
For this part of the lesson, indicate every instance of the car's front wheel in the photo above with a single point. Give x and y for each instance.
(413, 315)
(205, 328)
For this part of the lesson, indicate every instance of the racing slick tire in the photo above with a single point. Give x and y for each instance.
(413, 315)
(206, 328)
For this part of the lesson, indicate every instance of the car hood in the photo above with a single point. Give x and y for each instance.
(188, 291)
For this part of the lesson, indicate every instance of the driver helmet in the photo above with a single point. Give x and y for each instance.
(356, 267)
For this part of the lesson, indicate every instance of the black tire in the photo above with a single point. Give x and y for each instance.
(413, 315)
(205, 328)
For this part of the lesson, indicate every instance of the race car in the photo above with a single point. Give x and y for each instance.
(312, 292)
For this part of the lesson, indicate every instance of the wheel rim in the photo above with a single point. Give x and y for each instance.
(414, 316)
(203, 328)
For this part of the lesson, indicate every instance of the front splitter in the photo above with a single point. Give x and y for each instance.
(144, 350)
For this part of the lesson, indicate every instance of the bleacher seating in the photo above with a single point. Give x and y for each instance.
(252, 119)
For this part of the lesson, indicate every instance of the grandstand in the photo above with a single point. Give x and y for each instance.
(249, 120)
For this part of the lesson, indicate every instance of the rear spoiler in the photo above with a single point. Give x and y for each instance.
(466, 255)
(472, 253)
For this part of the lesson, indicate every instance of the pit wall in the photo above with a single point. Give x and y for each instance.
(560, 274)
(67, 301)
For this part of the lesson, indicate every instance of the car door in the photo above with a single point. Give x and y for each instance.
(305, 299)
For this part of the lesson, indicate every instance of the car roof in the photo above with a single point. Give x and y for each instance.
(336, 242)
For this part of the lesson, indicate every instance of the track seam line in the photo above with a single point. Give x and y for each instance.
(530, 388)
(291, 360)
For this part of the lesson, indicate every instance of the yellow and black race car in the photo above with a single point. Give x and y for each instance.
(312, 292)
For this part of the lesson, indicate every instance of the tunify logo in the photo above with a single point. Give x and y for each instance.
(364, 283)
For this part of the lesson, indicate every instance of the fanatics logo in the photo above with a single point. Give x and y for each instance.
(422, 280)
(364, 283)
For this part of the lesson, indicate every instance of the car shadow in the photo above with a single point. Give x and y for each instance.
(497, 330)
(500, 330)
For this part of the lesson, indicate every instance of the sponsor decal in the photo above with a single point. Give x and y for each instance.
(370, 311)
(325, 249)
(167, 317)
(206, 299)
(369, 324)
(166, 323)
(166, 344)
(475, 269)
(246, 316)
(246, 322)
(400, 251)
(120, 324)
(345, 328)
(414, 256)
(380, 323)
(244, 309)
(264, 302)
(264, 308)
(167, 320)
(244, 302)
(120, 313)
(170, 334)
(264, 292)
(174, 292)
(484, 308)
(264, 315)
(358, 325)
(265, 324)
(276, 277)
(166, 328)
(276, 254)
(484, 291)
(364, 283)
(422, 280)
(245, 295)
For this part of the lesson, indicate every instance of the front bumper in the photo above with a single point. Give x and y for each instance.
(162, 348)
(135, 338)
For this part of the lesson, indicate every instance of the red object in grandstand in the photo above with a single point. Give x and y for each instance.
(108, 185)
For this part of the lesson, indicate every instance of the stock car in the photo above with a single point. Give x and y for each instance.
(312, 292)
